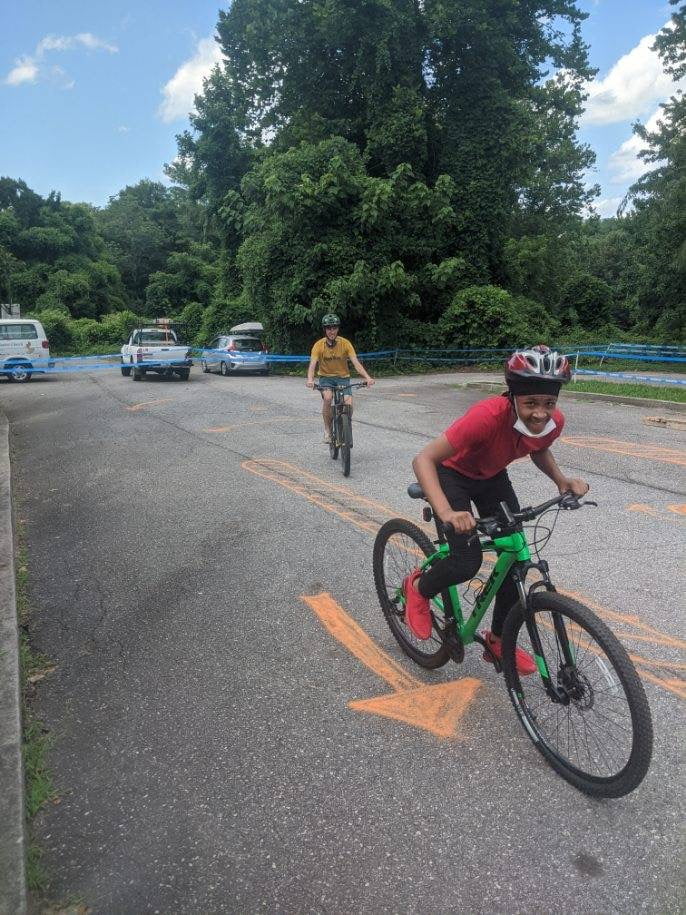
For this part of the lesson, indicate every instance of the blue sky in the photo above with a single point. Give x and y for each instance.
(93, 94)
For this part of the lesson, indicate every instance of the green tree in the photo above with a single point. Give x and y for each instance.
(487, 316)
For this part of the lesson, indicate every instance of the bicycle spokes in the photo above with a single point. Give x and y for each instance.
(582, 713)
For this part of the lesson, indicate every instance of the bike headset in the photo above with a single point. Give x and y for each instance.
(330, 321)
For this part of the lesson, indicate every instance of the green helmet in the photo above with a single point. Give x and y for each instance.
(330, 321)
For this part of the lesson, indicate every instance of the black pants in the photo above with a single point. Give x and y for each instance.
(465, 559)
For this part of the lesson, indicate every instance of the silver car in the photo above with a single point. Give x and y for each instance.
(232, 353)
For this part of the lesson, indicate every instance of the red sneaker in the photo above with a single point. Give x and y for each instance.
(417, 613)
(525, 663)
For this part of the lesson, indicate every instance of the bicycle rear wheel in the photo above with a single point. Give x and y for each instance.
(597, 734)
(346, 438)
(399, 548)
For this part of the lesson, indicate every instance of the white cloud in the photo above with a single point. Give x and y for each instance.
(607, 206)
(180, 91)
(31, 68)
(69, 42)
(24, 71)
(632, 88)
(625, 166)
(123, 129)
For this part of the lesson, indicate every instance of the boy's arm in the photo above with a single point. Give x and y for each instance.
(310, 372)
(546, 463)
(360, 369)
(424, 466)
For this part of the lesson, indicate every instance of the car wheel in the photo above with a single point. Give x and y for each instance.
(21, 374)
(126, 370)
(184, 374)
(223, 369)
(136, 374)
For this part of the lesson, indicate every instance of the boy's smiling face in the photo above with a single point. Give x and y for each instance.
(535, 410)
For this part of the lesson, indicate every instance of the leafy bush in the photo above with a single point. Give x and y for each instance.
(58, 329)
(488, 316)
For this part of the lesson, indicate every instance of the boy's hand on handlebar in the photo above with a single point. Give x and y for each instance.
(310, 384)
(461, 522)
(578, 488)
(369, 382)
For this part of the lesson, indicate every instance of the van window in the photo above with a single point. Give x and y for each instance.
(18, 332)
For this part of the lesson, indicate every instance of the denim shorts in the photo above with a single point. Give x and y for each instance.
(333, 381)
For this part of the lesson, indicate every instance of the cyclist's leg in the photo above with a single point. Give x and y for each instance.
(327, 397)
(492, 492)
(465, 558)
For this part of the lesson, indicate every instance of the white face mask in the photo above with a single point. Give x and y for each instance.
(520, 426)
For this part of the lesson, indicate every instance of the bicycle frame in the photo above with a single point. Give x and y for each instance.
(514, 555)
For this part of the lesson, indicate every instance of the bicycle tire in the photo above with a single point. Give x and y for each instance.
(346, 435)
(602, 674)
(389, 572)
(333, 443)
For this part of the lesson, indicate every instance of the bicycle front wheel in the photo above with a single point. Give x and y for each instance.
(594, 727)
(399, 549)
(346, 439)
(335, 438)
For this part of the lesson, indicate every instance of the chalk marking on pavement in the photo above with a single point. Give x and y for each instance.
(134, 408)
(648, 452)
(677, 509)
(361, 512)
(261, 422)
(438, 708)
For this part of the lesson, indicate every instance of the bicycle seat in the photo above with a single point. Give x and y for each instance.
(415, 491)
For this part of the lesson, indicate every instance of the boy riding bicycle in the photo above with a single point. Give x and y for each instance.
(330, 357)
(468, 464)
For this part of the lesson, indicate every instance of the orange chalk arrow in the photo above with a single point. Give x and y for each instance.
(437, 709)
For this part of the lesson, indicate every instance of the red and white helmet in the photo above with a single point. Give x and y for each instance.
(539, 363)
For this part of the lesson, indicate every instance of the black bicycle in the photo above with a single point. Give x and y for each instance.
(341, 423)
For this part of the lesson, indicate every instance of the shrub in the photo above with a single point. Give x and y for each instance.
(488, 316)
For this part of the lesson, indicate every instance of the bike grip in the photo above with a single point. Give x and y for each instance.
(447, 528)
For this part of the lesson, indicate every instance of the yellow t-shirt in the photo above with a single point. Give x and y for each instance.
(333, 360)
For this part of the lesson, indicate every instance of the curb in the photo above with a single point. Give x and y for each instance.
(588, 395)
(12, 837)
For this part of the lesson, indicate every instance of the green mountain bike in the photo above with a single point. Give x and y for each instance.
(585, 710)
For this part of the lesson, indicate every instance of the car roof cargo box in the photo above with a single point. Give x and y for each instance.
(250, 327)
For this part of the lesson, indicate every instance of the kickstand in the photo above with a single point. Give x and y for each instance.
(482, 641)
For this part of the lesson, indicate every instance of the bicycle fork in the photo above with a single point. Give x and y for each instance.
(556, 692)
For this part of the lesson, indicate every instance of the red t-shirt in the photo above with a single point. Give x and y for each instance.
(485, 441)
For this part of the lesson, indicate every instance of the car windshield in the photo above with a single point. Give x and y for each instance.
(156, 336)
(246, 344)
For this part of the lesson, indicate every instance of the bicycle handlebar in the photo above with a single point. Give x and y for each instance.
(509, 520)
(341, 387)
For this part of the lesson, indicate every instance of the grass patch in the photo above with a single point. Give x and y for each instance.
(38, 785)
(631, 389)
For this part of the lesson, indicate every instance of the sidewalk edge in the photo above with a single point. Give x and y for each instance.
(12, 825)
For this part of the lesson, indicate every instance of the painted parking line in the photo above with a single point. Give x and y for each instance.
(645, 451)
(438, 708)
(363, 513)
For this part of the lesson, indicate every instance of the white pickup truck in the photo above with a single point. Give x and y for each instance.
(155, 349)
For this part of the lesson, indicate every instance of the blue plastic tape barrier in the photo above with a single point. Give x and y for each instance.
(652, 379)
(631, 357)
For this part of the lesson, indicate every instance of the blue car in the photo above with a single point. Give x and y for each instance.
(230, 354)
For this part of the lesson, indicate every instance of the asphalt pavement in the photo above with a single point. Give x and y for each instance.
(200, 574)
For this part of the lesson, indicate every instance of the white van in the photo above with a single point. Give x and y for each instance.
(24, 349)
